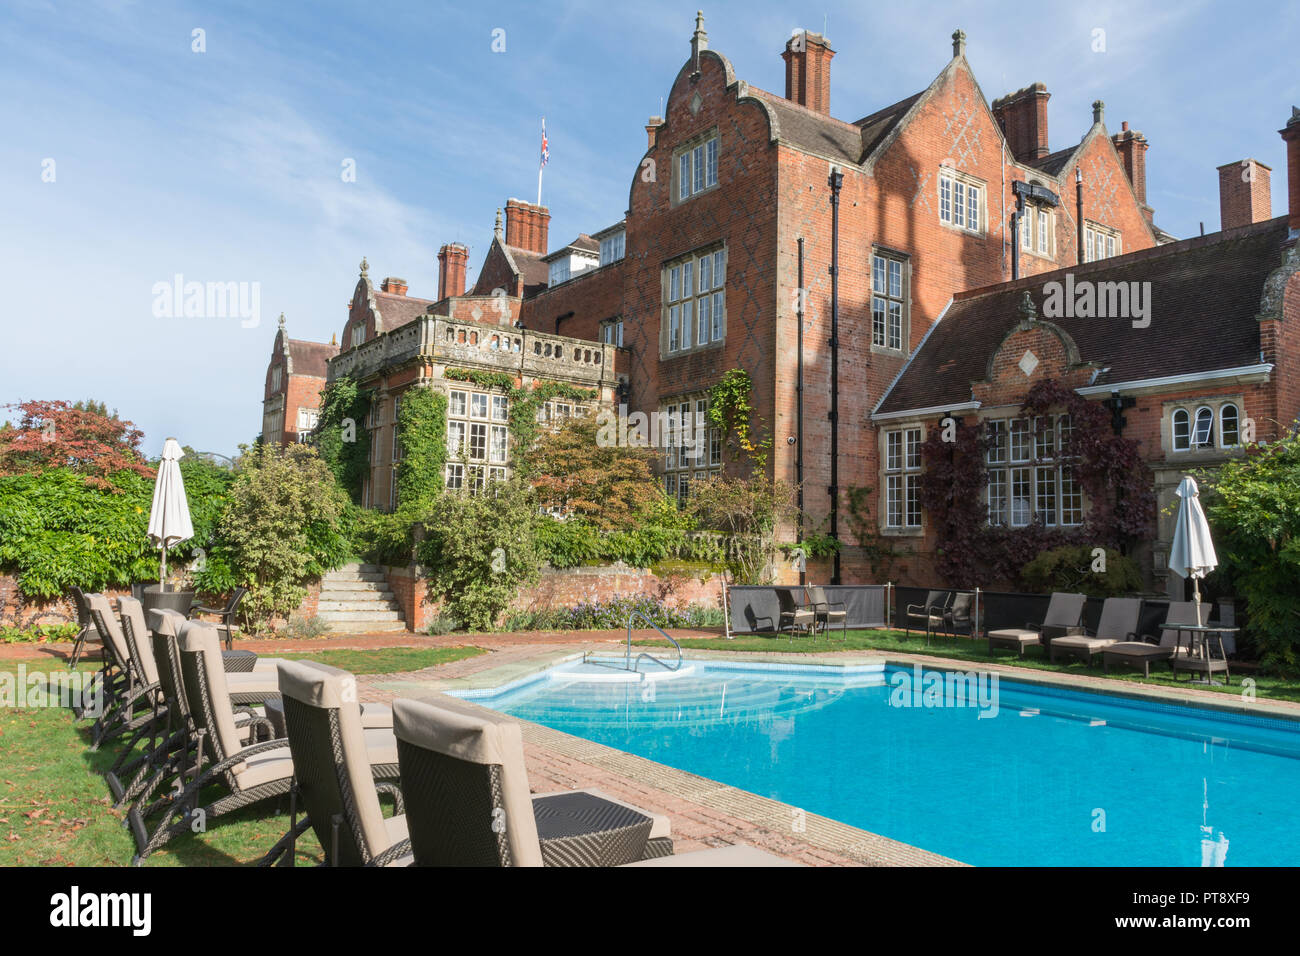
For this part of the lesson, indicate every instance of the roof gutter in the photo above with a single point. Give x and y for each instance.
(928, 412)
(1245, 374)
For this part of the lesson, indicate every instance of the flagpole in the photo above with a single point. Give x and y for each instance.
(539, 184)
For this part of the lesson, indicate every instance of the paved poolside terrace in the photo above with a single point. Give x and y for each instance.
(704, 812)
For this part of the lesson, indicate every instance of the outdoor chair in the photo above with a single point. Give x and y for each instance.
(468, 804)
(930, 613)
(1119, 622)
(1151, 649)
(226, 626)
(961, 613)
(85, 626)
(249, 773)
(177, 739)
(127, 695)
(1064, 617)
(827, 613)
(794, 616)
(333, 784)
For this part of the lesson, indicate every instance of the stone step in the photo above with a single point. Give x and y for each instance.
(332, 576)
(356, 594)
(389, 605)
(353, 587)
(355, 566)
(366, 627)
(332, 616)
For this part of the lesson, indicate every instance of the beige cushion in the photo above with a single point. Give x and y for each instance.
(1143, 649)
(266, 664)
(455, 729)
(252, 682)
(719, 856)
(166, 621)
(329, 688)
(1083, 642)
(266, 767)
(197, 637)
(133, 612)
(1015, 634)
(377, 715)
(97, 602)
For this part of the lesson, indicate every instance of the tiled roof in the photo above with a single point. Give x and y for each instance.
(812, 131)
(529, 265)
(1205, 296)
(311, 358)
(881, 123)
(1053, 163)
(398, 310)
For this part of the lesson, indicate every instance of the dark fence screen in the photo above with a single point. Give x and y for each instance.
(757, 609)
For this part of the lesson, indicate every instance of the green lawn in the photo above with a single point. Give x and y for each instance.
(965, 650)
(55, 808)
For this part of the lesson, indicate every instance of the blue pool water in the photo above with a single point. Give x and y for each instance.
(1052, 777)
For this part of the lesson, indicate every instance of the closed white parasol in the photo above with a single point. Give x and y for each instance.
(169, 518)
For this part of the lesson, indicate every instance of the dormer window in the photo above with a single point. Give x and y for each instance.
(611, 248)
(559, 271)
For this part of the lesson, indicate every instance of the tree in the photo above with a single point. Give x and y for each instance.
(56, 434)
(610, 486)
(284, 523)
(1253, 505)
(748, 510)
(479, 549)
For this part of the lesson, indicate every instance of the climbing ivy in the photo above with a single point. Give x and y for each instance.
(731, 410)
(524, 403)
(341, 436)
(422, 435)
(1108, 468)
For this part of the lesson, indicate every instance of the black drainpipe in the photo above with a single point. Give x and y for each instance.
(1078, 204)
(561, 318)
(1015, 236)
(798, 421)
(836, 182)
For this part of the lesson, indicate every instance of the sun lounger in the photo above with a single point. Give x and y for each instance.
(333, 783)
(468, 804)
(1064, 617)
(1150, 649)
(1119, 622)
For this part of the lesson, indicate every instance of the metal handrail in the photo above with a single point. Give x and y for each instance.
(627, 657)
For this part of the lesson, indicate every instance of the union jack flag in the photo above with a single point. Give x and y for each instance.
(546, 149)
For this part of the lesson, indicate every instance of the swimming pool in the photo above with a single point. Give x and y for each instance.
(984, 771)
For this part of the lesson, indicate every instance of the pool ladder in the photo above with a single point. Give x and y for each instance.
(628, 663)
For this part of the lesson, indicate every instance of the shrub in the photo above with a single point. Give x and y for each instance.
(38, 634)
(479, 550)
(1071, 569)
(302, 628)
(613, 614)
(285, 524)
(1254, 509)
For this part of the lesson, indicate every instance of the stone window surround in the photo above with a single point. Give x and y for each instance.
(882, 496)
(1216, 448)
(686, 146)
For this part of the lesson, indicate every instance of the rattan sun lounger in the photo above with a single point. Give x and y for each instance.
(249, 774)
(128, 695)
(1064, 617)
(1119, 622)
(332, 782)
(1150, 649)
(467, 799)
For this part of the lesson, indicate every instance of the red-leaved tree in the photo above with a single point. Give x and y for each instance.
(59, 435)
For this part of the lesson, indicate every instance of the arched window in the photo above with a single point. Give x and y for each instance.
(1182, 430)
(1203, 434)
(1229, 426)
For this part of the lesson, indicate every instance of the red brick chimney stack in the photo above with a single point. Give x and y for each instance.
(1291, 133)
(453, 259)
(393, 286)
(808, 71)
(527, 225)
(1023, 118)
(1132, 148)
(652, 130)
(1245, 194)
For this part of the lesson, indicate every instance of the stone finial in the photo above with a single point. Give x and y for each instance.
(1295, 116)
(958, 42)
(1028, 311)
(281, 321)
(496, 230)
(365, 267)
(334, 339)
(699, 40)
(1098, 111)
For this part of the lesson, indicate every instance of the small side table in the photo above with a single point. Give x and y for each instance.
(238, 662)
(1199, 656)
(581, 829)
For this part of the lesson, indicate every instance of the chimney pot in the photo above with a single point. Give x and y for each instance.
(1023, 118)
(394, 286)
(652, 130)
(452, 261)
(808, 70)
(1291, 134)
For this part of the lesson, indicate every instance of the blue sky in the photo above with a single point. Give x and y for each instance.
(224, 166)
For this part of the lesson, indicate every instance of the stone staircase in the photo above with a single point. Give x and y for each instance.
(356, 599)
